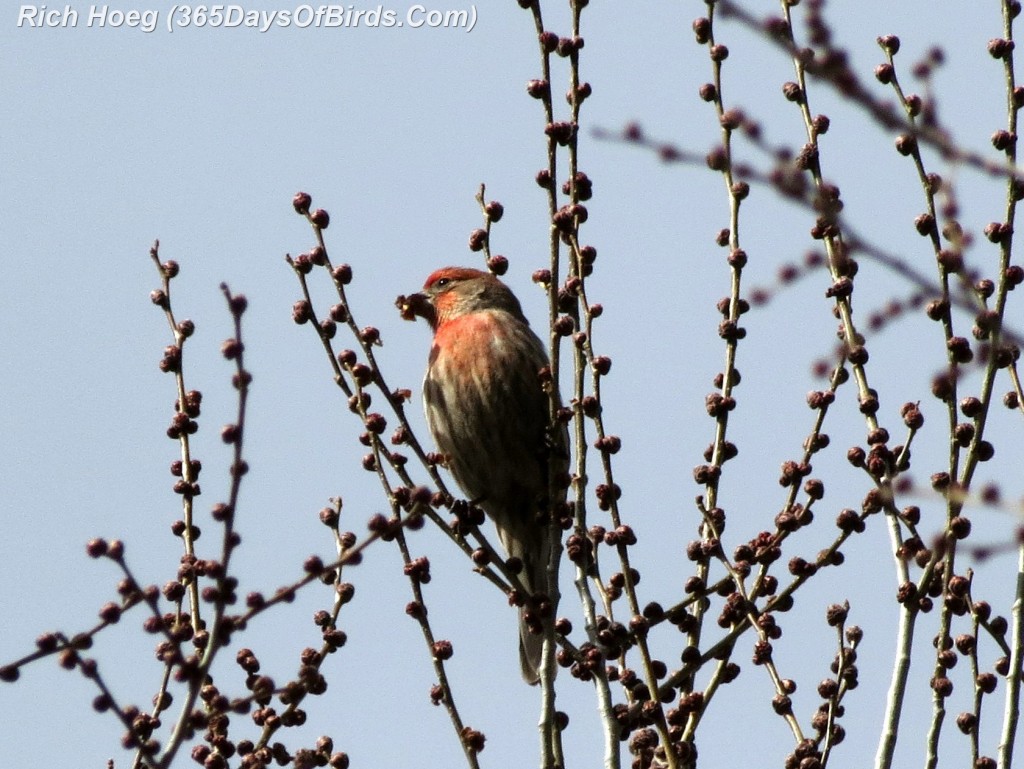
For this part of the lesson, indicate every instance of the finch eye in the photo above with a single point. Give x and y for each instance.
(442, 282)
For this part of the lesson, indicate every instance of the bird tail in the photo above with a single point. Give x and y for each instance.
(535, 578)
(531, 650)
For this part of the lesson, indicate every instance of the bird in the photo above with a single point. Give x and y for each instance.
(489, 413)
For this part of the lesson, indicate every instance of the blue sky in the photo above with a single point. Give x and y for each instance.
(199, 137)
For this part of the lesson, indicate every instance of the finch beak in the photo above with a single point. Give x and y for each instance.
(416, 305)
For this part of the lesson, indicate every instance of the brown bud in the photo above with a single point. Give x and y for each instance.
(302, 202)
(890, 44)
(884, 73)
(320, 218)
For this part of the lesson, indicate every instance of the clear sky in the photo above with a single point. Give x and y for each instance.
(115, 136)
